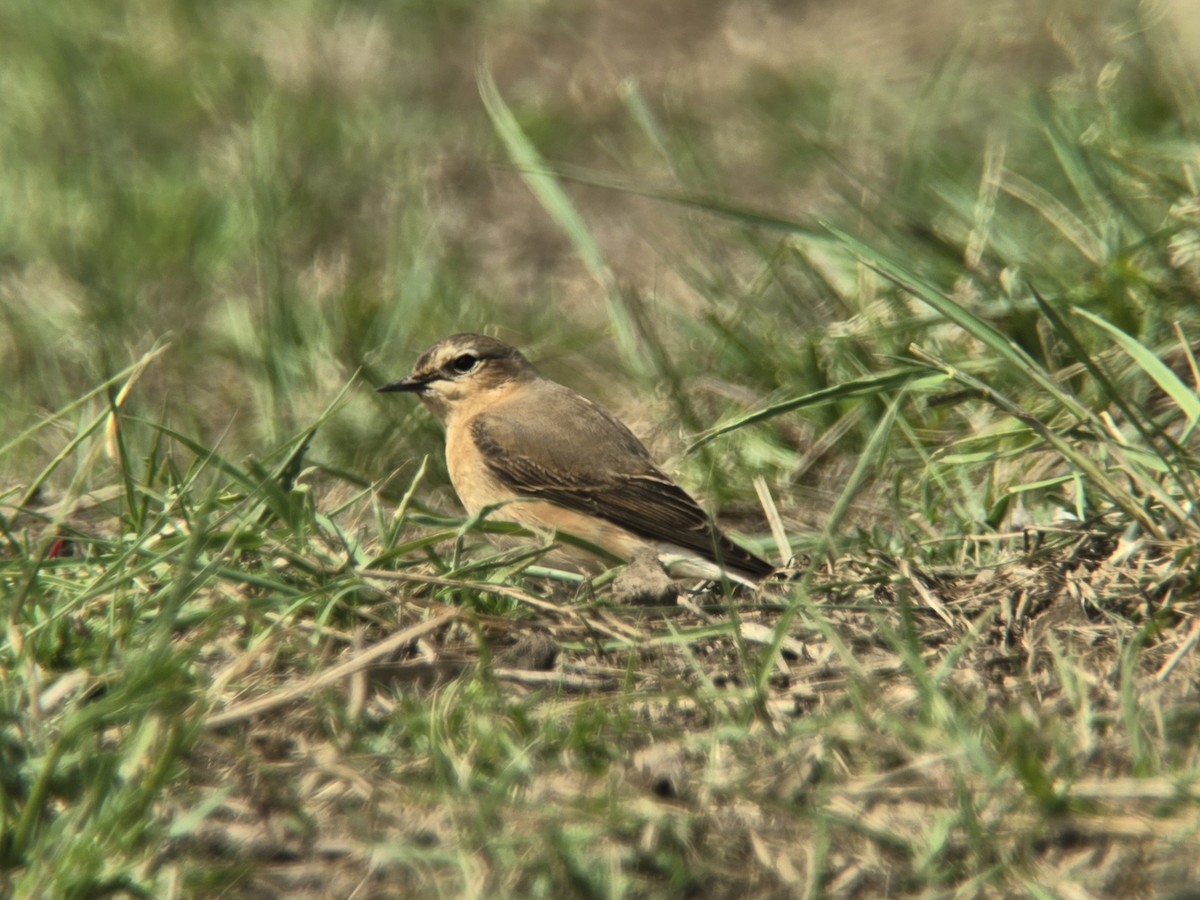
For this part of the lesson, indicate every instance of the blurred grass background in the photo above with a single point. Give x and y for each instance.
(288, 194)
(946, 256)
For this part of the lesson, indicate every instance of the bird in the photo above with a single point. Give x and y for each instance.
(534, 452)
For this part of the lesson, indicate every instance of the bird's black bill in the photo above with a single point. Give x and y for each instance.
(412, 385)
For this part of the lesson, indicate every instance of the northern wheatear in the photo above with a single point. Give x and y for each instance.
(549, 458)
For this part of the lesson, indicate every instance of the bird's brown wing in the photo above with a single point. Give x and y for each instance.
(584, 459)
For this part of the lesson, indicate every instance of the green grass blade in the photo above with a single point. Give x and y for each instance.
(1080, 460)
(849, 390)
(1185, 398)
(542, 181)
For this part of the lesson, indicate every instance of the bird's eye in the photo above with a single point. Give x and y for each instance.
(465, 363)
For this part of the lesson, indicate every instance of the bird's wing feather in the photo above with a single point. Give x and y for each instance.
(602, 470)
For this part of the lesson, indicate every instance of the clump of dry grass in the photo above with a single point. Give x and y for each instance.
(879, 726)
(881, 729)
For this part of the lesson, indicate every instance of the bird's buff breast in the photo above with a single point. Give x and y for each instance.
(473, 481)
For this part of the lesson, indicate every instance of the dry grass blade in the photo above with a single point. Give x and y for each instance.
(774, 519)
(1184, 648)
(500, 590)
(357, 663)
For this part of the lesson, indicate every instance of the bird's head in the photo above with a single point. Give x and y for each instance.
(464, 369)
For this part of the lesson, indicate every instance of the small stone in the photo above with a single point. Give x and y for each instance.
(644, 582)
